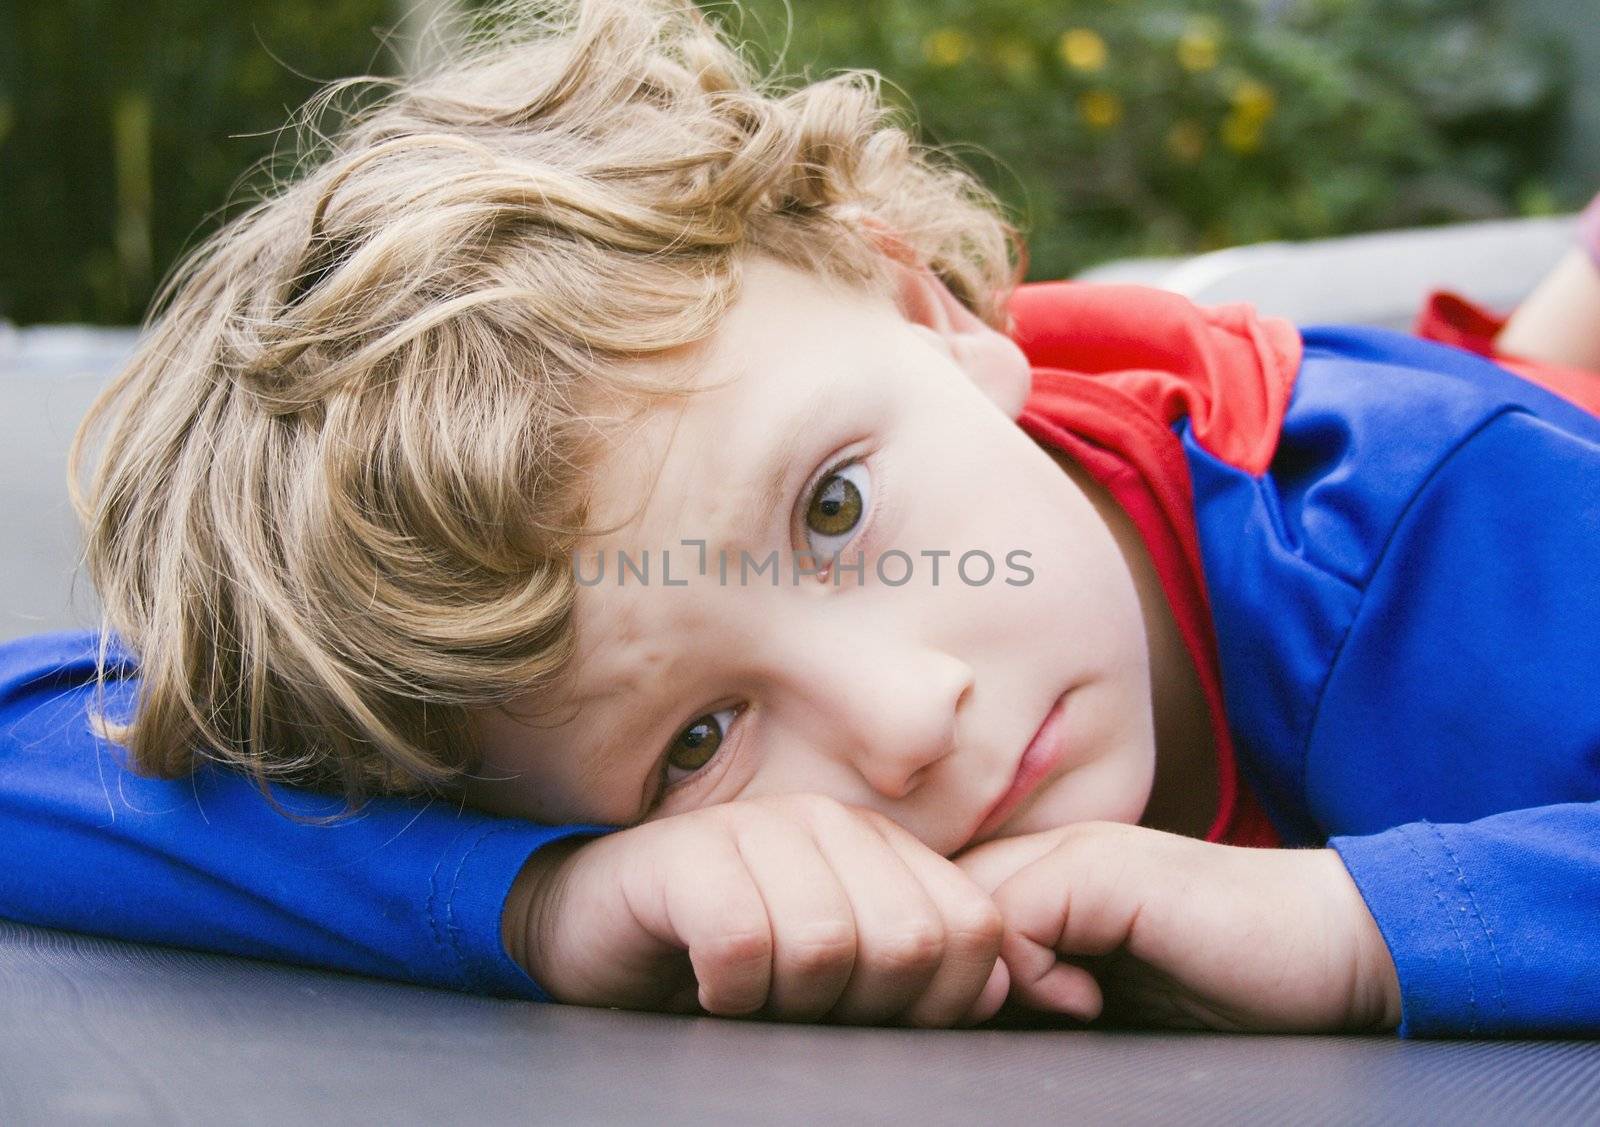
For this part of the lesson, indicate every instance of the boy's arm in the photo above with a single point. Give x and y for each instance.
(1467, 695)
(1559, 323)
(1488, 928)
(1132, 925)
(1494, 924)
(403, 890)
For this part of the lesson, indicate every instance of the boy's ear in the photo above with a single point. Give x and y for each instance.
(990, 359)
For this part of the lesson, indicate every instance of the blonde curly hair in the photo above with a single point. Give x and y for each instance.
(340, 480)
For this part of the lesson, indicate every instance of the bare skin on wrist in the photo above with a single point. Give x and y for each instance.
(529, 905)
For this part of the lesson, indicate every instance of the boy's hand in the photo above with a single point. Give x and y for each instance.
(1186, 934)
(794, 907)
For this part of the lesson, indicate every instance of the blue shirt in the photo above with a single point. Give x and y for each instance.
(1408, 617)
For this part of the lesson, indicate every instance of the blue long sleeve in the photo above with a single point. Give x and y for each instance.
(1467, 692)
(402, 890)
(1408, 608)
(1494, 925)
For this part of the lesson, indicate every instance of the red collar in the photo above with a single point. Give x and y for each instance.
(1114, 367)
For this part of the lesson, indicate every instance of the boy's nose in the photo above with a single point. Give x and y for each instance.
(901, 717)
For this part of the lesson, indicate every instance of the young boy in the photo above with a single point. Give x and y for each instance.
(601, 442)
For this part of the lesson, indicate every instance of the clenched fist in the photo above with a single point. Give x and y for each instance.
(794, 907)
(1150, 928)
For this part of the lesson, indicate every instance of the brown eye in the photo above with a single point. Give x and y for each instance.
(837, 507)
(697, 744)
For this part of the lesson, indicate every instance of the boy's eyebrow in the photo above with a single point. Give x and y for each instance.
(794, 443)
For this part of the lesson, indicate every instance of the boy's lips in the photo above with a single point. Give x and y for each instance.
(1040, 757)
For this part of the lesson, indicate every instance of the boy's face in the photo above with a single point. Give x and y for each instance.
(890, 687)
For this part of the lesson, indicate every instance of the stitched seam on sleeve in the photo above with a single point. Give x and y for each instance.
(433, 911)
(451, 930)
(1444, 909)
(1500, 984)
(1377, 565)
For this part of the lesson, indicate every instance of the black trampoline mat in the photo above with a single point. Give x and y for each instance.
(94, 1030)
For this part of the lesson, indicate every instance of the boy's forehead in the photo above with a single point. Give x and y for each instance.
(705, 466)
(711, 467)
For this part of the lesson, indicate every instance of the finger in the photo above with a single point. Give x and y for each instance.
(900, 936)
(992, 999)
(1062, 989)
(972, 926)
(1041, 980)
(1059, 907)
(1031, 966)
(1076, 900)
(720, 918)
(813, 922)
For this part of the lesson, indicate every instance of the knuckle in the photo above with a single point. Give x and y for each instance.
(818, 805)
(730, 814)
(911, 948)
(820, 946)
(738, 947)
(876, 819)
(978, 926)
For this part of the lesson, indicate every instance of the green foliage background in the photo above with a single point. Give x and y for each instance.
(125, 129)
(1118, 127)
(1110, 127)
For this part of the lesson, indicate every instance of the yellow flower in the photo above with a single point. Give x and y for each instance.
(1186, 141)
(946, 47)
(1200, 46)
(1254, 101)
(1015, 57)
(1082, 49)
(1240, 133)
(1099, 109)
